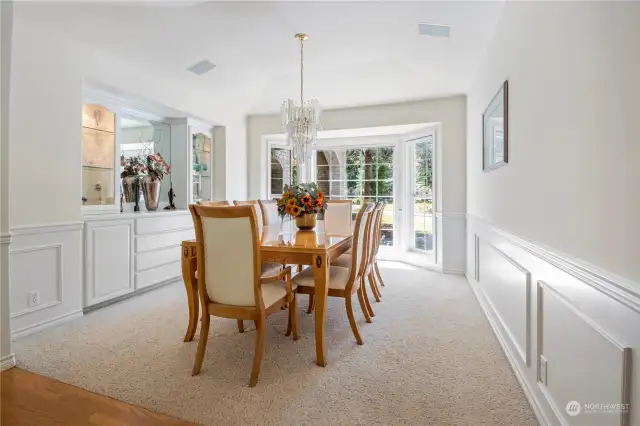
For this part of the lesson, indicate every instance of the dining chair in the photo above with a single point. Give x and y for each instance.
(344, 282)
(337, 217)
(268, 268)
(215, 203)
(373, 241)
(230, 284)
(269, 210)
(378, 240)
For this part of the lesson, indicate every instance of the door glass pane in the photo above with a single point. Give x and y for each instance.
(387, 222)
(422, 175)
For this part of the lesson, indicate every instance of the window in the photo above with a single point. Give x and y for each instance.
(422, 188)
(360, 174)
(282, 171)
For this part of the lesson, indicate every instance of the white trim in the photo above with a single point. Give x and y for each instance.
(453, 272)
(625, 351)
(525, 353)
(529, 393)
(45, 324)
(450, 214)
(5, 238)
(59, 275)
(7, 362)
(620, 289)
(46, 228)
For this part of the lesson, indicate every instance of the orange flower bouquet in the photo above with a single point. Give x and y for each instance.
(301, 200)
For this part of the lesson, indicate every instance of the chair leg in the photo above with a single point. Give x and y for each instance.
(293, 316)
(367, 304)
(241, 326)
(378, 273)
(257, 357)
(374, 287)
(363, 304)
(312, 303)
(202, 345)
(289, 325)
(352, 319)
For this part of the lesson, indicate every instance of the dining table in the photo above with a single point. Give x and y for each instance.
(281, 243)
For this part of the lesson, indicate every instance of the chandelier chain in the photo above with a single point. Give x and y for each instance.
(301, 71)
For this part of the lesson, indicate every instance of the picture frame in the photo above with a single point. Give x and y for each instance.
(495, 130)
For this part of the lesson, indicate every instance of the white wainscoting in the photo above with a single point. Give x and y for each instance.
(450, 247)
(583, 322)
(46, 259)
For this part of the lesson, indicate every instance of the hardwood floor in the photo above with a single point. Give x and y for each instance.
(30, 399)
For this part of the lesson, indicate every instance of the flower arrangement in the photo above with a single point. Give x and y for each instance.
(132, 167)
(156, 167)
(152, 165)
(301, 199)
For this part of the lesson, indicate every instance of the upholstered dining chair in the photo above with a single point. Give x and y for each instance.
(269, 210)
(337, 217)
(373, 241)
(230, 283)
(344, 282)
(268, 268)
(215, 203)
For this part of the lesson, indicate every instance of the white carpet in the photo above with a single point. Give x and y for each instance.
(429, 358)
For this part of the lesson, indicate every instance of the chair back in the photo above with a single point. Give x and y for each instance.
(378, 239)
(373, 234)
(269, 212)
(358, 250)
(228, 255)
(215, 203)
(256, 208)
(337, 217)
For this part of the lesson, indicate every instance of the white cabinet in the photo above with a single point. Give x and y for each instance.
(131, 251)
(108, 260)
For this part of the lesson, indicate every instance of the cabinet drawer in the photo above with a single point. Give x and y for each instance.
(155, 258)
(163, 224)
(158, 275)
(167, 239)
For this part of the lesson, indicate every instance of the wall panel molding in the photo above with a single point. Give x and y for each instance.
(625, 351)
(621, 289)
(58, 274)
(524, 352)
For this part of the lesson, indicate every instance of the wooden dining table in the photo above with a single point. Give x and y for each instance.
(287, 245)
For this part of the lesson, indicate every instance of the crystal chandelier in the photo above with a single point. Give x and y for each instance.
(301, 122)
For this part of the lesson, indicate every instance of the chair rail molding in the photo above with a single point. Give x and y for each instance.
(582, 334)
(5, 238)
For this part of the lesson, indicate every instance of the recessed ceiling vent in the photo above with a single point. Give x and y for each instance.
(434, 30)
(201, 67)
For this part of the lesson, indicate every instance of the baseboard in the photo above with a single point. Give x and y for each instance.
(529, 393)
(45, 324)
(7, 362)
(129, 295)
(453, 272)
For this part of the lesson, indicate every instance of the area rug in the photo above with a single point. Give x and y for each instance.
(429, 358)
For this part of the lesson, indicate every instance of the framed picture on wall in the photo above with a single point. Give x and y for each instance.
(495, 130)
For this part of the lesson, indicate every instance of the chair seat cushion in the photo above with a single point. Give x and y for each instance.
(338, 278)
(344, 260)
(272, 292)
(270, 269)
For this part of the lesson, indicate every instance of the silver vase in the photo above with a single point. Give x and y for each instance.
(130, 188)
(151, 191)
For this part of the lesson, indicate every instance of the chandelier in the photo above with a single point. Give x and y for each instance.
(301, 122)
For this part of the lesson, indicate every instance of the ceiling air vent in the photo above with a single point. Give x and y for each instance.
(201, 67)
(434, 30)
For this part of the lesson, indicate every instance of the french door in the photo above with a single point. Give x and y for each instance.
(421, 218)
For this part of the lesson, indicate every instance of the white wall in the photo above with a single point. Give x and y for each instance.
(572, 177)
(7, 359)
(48, 72)
(553, 237)
(448, 112)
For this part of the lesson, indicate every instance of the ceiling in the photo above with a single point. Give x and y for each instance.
(358, 53)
